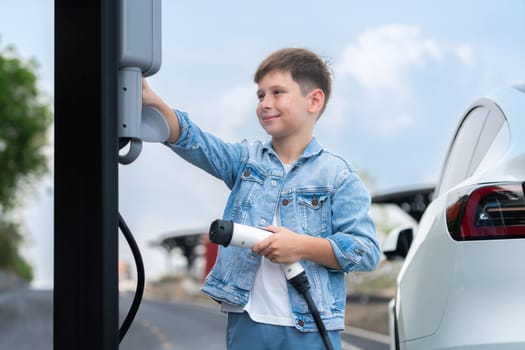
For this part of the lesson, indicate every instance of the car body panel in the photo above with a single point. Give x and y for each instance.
(422, 288)
(467, 294)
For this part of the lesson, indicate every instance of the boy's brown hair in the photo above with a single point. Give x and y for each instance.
(308, 70)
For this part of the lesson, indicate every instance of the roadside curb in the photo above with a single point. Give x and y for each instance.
(364, 333)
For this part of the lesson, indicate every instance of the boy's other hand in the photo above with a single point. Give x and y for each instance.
(283, 247)
(287, 247)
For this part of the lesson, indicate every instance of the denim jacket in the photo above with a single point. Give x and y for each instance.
(321, 196)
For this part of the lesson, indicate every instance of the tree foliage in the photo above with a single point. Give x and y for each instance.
(24, 121)
(10, 258)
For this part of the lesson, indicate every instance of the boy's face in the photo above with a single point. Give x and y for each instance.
(283, 111)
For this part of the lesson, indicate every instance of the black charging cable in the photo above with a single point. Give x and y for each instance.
(139, 292)
(301, 284)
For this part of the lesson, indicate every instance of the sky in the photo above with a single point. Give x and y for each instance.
(404, 72)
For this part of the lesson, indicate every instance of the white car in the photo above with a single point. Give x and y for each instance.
(462, 284)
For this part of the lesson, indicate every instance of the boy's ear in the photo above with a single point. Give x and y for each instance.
(316, 100)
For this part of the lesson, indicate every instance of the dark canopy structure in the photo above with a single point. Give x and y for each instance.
(413, 201)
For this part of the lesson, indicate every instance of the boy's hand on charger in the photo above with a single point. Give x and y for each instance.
(149, 98)
(283, 247)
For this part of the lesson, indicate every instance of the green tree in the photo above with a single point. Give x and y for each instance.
(24, 121)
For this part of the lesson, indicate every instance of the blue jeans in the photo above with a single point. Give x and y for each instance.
(242, 333)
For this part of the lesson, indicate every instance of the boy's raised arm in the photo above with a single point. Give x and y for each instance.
(150, 98)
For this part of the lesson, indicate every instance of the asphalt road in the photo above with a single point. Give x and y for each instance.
(163, 325)
(25, 320)
(26, 324)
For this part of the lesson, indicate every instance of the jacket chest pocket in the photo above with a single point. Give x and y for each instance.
(250, 186)
(313, 209)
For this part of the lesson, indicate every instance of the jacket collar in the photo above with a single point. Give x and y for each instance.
(312, 149)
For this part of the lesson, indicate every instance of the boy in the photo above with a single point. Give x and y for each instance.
(311, 199)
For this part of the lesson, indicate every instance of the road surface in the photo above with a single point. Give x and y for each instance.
(26, 324)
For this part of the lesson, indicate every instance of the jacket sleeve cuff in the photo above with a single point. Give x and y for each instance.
(185, 138)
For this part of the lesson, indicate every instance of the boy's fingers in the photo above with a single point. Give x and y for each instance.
(271, 228)
(261, 246)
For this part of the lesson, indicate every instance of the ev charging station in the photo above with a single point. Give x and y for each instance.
(103, 48)
(140, 56)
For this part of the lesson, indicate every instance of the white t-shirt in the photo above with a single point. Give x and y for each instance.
(268, 302)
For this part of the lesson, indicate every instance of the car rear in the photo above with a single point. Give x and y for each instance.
(463, 284)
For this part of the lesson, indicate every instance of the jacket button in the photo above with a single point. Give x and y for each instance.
(315, 201)
(285, 202)
(247, 172)
(300, 323)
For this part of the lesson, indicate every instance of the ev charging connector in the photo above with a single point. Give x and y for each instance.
(226, 233)
(139, 56)
(229, 233)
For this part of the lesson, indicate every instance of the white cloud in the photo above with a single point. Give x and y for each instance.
(393, 125)
(464, 53)
(383, 57)
(228, 114)
(390, 67)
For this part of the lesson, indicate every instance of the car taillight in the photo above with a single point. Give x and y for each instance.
(492, 211)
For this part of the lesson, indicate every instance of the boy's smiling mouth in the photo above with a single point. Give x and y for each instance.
(269, 117)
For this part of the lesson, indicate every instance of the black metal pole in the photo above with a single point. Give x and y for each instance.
(86, 176)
